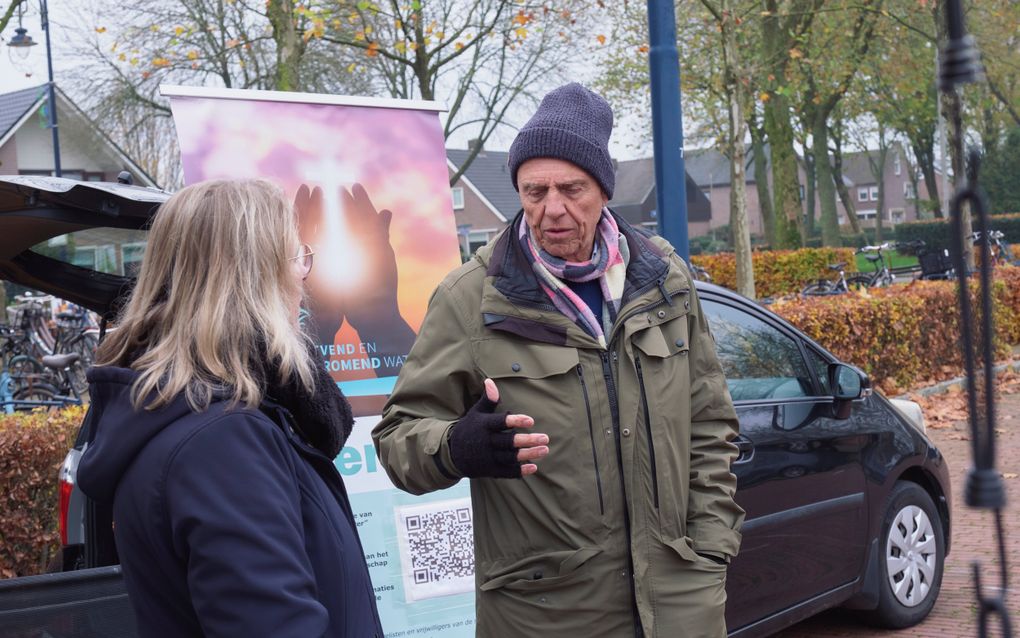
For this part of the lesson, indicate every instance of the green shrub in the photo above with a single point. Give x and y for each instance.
(778, 272)
(903, 335)
(935, 232)
(32, 448)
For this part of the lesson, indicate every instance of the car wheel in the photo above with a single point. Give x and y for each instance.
(913, 555)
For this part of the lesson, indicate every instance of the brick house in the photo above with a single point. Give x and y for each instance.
(87, 154)
(710, 169)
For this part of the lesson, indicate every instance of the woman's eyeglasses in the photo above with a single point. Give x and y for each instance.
(304, 259)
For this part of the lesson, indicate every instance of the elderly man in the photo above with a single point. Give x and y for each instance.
(571, 358)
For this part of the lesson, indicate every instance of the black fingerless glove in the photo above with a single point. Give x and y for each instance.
(481, 446)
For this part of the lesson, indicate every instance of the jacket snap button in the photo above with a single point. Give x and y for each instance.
(661, 313)
(536, 575)
(687, 305)
(626, 431)
(516, 367)
(680, 343)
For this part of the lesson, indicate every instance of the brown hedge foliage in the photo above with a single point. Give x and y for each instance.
(778, 272)
(32, 449)
(903, 336)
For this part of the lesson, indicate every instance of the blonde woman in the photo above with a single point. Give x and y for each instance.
(217, 429)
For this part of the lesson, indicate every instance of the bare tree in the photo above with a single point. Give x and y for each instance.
(480, 57)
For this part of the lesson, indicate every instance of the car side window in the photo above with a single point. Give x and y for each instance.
(821, 368)
(759, 361)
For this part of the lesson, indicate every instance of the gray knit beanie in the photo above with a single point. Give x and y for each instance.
(572, 123)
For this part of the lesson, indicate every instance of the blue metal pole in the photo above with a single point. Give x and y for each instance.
(52, 107)
(667, 126)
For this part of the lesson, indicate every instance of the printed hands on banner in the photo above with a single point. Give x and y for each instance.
(370, 301)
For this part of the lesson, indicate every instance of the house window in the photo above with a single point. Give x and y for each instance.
(866, 214)
(873, 192)
(897, 166)
(862, 194)
(800, 189)
(477, 239)
(896, 215)
(458, 198)
(908, 191)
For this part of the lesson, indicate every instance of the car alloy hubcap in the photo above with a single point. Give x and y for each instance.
(910, 555)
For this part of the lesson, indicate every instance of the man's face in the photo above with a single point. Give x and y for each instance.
(562, 206)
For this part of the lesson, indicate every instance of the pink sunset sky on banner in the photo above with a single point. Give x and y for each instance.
(398, 155)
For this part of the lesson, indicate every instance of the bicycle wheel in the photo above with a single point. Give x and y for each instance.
(25, 371)
(819, 289)
(858, 282)
(85, 345)
(35, 392)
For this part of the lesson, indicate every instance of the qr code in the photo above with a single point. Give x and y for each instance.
(437, 551)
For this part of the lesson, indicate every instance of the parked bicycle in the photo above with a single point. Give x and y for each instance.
(842, 284)
(998, 249)
(40, 393)
(882, 276)
(936, 265)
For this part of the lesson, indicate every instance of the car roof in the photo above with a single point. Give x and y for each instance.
(34, 209)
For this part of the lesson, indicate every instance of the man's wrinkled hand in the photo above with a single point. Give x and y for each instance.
(484, 445)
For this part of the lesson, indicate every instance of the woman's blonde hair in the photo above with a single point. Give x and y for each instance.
(214, 303)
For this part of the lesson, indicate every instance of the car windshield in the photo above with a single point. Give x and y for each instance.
(114, 251)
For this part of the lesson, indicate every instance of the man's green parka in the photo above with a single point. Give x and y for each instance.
(605, 539)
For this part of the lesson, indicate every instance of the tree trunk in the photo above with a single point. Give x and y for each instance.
(739, 230)
(761, 181)
(809, 194)
(785, 183)
(826, 187)
(288, 44)
(841, 189)
(924, 152)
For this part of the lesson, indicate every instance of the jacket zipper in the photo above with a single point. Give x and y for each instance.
(614, 409)
(648, 429)
(591, 433)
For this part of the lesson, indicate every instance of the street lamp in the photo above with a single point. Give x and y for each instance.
(21, 43)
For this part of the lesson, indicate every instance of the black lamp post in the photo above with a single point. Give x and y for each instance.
(23, 41)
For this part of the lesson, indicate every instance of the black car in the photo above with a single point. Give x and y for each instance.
(847, 500)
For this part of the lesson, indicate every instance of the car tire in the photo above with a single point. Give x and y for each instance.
(912, 556)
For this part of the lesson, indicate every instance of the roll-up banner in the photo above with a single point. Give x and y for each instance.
(370, 184)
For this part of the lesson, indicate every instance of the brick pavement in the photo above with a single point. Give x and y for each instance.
(954, 615)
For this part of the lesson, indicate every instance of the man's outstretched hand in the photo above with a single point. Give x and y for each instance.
(484, 445)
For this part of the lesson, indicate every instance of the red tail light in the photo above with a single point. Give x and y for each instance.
(65, 502)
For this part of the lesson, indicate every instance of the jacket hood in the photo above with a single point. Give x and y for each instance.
(117, 431)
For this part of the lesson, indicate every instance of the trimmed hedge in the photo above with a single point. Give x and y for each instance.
(778, 272)
(32, 448)
(903, 335)
(935, 232)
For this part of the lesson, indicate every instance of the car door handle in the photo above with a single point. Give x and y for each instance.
(745, 448)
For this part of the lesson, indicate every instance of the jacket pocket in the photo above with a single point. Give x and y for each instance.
(541, 572)
(683, 547)
(664, 388)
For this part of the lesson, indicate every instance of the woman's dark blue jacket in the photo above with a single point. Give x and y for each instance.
(226, 523)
